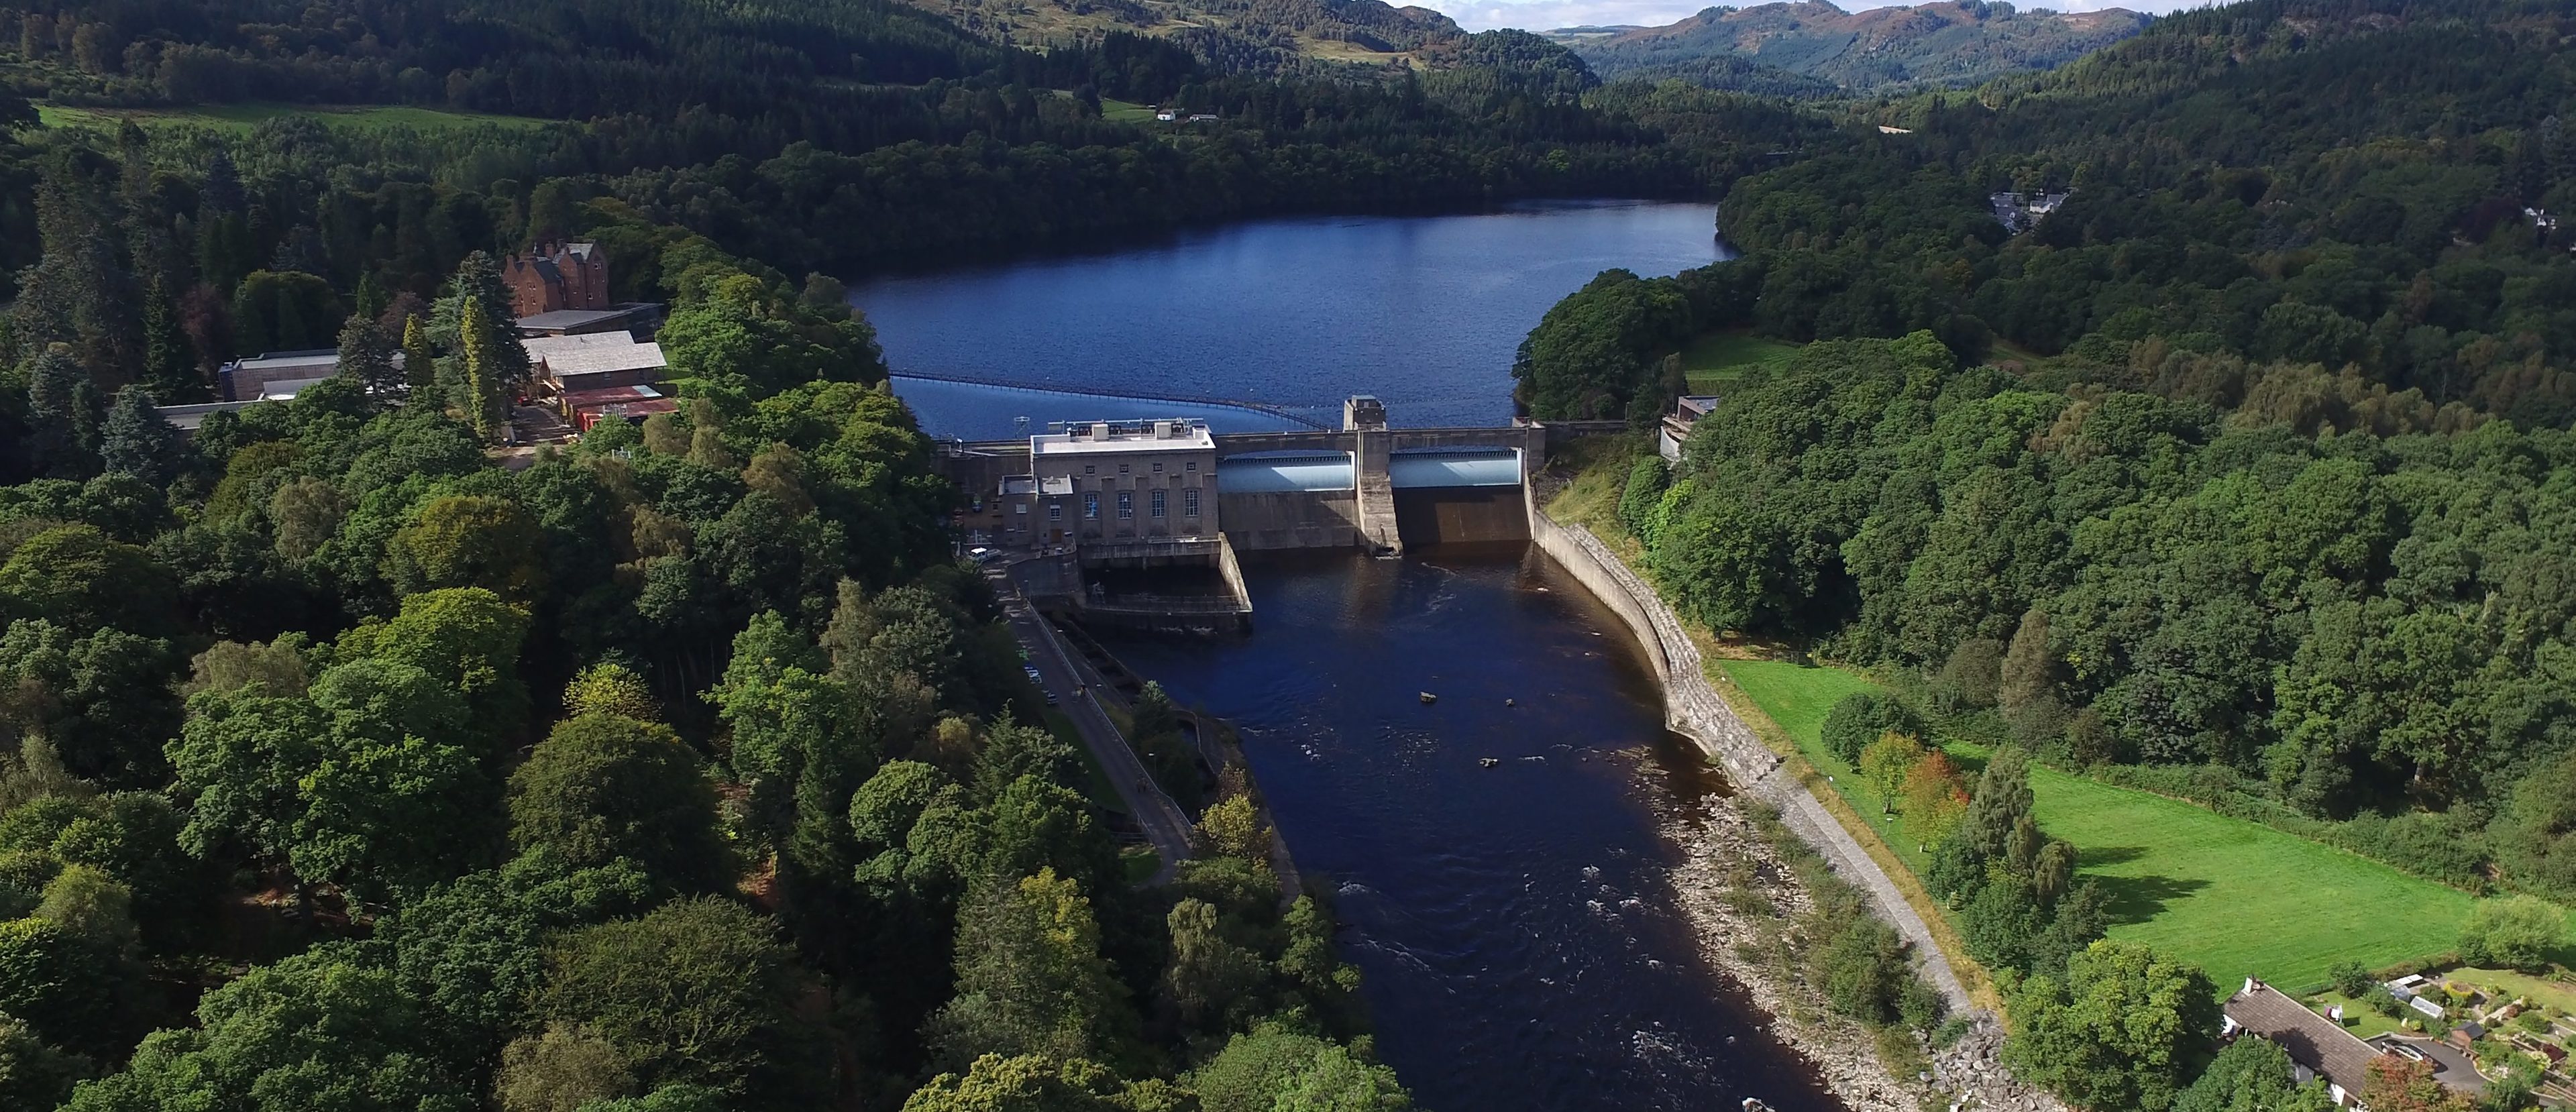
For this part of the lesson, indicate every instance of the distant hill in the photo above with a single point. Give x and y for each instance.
(1233, 35)
(1963, 42)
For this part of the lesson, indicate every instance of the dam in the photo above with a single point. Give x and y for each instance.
(1138, 522)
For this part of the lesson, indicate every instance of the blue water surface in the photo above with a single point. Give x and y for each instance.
(1424, 312)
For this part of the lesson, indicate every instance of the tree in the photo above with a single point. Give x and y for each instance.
(473, 950)
(1936, 802)
(32, 1074)
(73, 994)
(468, 638)
(1030, 978)
(169, 358)
(284, 311)
(367, 354)
(420, 368)
(138, 441)
(2519, 932)
(367, 782)
(77, 577)
(1232, 826)
(603, 787)
(317, 1030)
(2400, 1084)
(2251, 1074)
(1863, 971)
(695, 992)
(469, 541)
(2124, 1028)
(1271, 1067)
(1885, 762)
(484, 368)
(1030, 1083)
(611, 688)
(1861, 718)
(562, 1070)
(62, 416)
(1211, 982)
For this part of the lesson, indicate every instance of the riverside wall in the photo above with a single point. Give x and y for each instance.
(1693, 709)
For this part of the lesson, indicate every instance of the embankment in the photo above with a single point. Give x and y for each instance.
(1694, 710)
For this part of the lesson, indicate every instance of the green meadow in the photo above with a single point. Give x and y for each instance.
(2236, 897)
(241, 117)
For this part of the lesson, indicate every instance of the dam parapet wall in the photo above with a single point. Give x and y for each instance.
(1694, 709)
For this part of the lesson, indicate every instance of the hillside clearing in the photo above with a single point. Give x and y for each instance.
(242, 117)
(2235, 897)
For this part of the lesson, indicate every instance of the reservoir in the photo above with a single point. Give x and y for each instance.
(1424, 312)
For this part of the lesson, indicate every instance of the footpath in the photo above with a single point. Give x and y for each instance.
(1693, 709)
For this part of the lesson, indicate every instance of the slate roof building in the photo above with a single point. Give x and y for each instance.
(2320, 1047)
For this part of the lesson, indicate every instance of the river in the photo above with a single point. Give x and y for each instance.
(1424, 312)
(1515, 925)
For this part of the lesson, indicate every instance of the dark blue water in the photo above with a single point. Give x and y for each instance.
(1424, 312)
(1516, 925)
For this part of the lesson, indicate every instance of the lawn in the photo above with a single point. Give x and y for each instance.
(2236, 897)
(1125, 112)
(240, 117)
(1720, 359)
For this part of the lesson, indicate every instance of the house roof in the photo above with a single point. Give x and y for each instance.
(595, 353)
(2313, 1040)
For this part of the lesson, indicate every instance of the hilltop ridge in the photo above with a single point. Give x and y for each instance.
(1954, 43)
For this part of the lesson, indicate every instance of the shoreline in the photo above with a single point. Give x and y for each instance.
(1731, 867)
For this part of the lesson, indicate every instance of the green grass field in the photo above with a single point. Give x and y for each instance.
(241, 117)
(1125, 112)
(1721, 359)
(2236, 897)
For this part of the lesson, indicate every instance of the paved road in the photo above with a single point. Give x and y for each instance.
(1164, 823)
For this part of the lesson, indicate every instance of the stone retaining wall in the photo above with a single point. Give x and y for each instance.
(1693, 709)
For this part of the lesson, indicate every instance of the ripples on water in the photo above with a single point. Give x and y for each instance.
(1424, 312)
(1515, 924)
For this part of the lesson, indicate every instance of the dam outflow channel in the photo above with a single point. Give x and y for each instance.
(1515, 923)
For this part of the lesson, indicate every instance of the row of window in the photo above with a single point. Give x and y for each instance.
(1089, 469)
(1155, 506)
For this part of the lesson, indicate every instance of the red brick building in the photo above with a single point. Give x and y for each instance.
(557, 276)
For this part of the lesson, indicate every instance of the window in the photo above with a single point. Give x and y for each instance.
(1020, 507)
(1157, 508)
(1122, 469)
(1126, 505)
(1091, 505)
(1087, 469)
(1055, 511)
(1194, 465)
(1189, 501)
(1158, 467)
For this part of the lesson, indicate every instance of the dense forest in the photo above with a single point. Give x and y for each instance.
(904, 140)
(2371, 186)
(2240, 477)
(349, 763)
(1878, 49)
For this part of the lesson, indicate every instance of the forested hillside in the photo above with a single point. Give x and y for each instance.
(906, 140)
(348, 762)
(2239, 475)
(1951, 43)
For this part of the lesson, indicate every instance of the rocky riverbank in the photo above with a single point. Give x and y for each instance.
(1744, 898)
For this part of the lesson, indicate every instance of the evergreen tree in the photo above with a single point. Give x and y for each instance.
(62, 416)
(420, 368)
(169, 361)
(366, 355)
(138, 441)
(483, 370)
